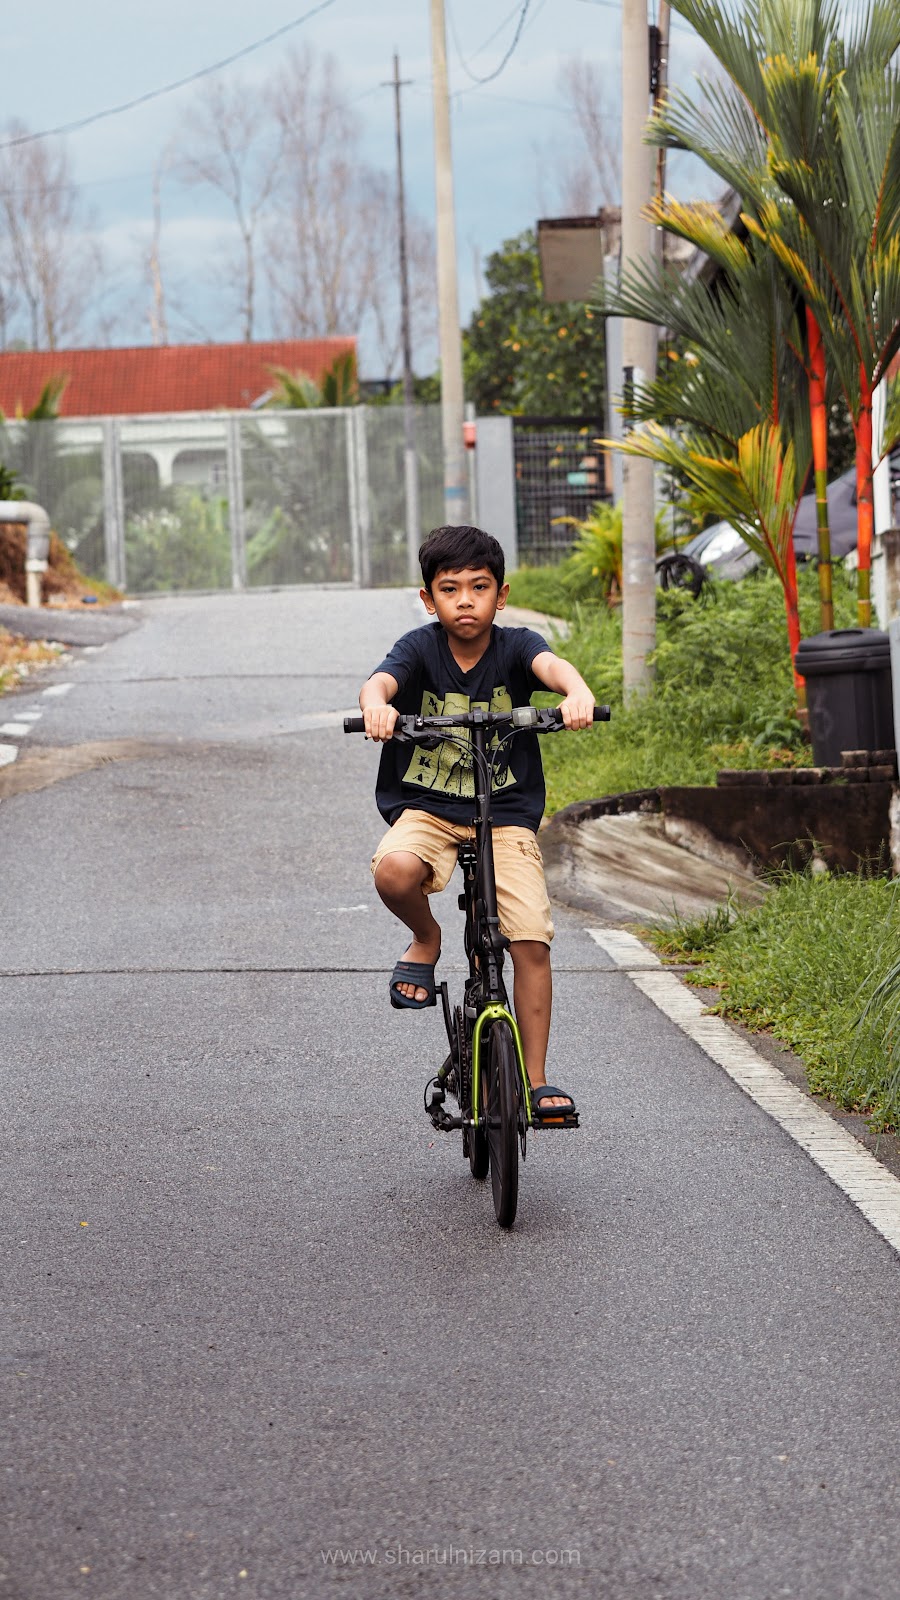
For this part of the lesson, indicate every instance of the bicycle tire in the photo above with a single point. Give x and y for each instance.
(503, 1090)
(475, 1141)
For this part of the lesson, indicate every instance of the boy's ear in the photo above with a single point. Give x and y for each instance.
(502, 596)
(428, 603)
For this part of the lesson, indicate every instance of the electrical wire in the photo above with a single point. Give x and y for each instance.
(169, 88)
(526, 6)
(490, 38)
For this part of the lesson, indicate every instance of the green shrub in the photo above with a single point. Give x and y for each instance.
(723, 695)
(591, 573)
(183, 545)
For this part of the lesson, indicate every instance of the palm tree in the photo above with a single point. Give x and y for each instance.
(730, 404)
(297, 391)
(806, 127)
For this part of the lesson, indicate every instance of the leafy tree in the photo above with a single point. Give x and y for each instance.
(523, 356)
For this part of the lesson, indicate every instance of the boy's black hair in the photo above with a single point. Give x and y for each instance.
(450, 549)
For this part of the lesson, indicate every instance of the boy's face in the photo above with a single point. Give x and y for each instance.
(465, 602)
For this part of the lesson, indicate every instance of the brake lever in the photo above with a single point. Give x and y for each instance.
(428, 740)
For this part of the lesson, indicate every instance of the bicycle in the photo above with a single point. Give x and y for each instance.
(485, 1069)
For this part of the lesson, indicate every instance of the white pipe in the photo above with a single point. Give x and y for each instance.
(38, 543)
(882, 504)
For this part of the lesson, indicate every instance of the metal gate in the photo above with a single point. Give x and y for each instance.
(217, 500)
(561, 471)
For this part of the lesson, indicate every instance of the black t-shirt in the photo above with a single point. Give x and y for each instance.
(433, 684)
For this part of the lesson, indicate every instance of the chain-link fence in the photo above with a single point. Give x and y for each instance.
(231, 499)
(560, 470)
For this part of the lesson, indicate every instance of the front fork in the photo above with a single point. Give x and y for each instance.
(495, 1012)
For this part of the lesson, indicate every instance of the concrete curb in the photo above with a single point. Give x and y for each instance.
(69, 627)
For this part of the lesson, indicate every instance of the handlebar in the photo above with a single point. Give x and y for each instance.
(543, 719)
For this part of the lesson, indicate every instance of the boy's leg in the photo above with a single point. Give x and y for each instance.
(525, 918)
(533, 1001)
(399, 879)
(414, 859)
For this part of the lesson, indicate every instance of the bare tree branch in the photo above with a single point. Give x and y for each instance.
(159, 326)
(581, 82)
(229, 141)
(51, 263)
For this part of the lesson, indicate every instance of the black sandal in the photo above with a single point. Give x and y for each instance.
(419, 973)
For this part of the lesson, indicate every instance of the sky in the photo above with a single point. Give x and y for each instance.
(511, 136)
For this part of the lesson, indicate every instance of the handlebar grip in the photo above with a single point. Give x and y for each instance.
(354, 724)
(601, 714)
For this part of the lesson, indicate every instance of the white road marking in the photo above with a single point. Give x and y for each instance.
(873, 1190)
(29, 716)
(93, 649)
(58, 688)
(8, 753)
(15, 730)
(625, 949)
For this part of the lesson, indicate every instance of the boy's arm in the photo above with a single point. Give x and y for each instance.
(554, 673)
(374, 698)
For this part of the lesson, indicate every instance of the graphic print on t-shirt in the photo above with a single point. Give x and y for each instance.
(449, 767)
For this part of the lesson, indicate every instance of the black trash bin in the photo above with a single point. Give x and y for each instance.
(848, 692)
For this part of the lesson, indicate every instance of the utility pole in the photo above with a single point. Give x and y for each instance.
(639, 341)
(410, 464)
(456, 471)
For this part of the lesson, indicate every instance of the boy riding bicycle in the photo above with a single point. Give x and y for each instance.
(427, 795)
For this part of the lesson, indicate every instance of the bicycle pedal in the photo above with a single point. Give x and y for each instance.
(441, 1120)
(549, 1123)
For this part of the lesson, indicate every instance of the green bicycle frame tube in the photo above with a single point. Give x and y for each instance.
(495, 1013)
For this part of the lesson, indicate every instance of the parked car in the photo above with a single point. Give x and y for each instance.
(720, 551)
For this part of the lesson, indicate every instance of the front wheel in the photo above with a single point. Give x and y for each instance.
(475, 1143)
(503, 1087)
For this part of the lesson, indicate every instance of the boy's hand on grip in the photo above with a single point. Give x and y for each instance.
(577, 710)
(380, 722)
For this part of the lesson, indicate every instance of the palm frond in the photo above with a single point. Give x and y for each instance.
(872, 34)
(295, 391)
(756, 490)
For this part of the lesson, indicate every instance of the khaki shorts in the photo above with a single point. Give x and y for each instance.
(522, 902)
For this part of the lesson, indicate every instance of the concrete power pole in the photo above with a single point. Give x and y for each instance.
(456, 471)
(410, 464)
(639, 341)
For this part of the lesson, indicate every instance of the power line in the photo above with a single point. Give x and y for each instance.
(169, 88)
(490, 38)
(526, 6)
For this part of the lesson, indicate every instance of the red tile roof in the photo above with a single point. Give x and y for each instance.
(155, 378)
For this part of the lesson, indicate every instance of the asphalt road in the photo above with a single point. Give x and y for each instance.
(259, 1333)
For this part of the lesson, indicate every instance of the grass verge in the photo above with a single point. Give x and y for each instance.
(816, 966)
(723, 695)
(19, 657)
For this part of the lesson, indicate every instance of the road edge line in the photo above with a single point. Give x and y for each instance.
(854, 1170)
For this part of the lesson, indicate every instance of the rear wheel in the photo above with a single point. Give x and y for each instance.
(503, 1089)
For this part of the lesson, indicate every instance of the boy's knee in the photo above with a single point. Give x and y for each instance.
(529, 952)
(399, 873)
